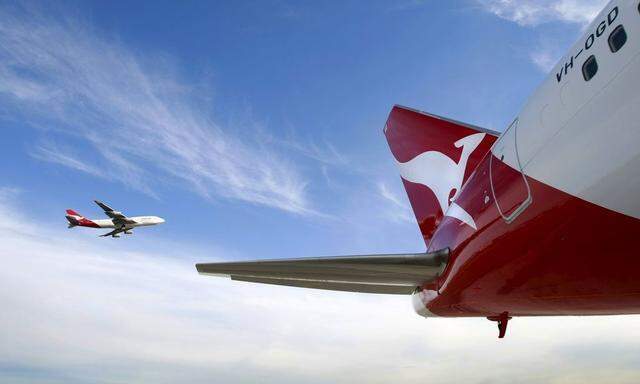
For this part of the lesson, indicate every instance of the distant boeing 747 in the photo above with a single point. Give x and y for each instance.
(117, 220)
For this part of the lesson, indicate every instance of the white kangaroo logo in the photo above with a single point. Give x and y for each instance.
(439, 173)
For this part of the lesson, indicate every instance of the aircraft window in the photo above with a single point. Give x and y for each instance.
(617, 38)
(589, 68)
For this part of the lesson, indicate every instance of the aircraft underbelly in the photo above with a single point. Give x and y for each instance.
(562, 256)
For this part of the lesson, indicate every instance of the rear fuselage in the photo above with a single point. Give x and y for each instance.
(556, 202)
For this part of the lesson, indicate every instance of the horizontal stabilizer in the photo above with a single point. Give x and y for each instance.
(390, 274)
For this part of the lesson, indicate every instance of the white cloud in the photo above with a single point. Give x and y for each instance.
(529, 13)
(51, 153)
(77, 308)
(535, 12)
(145, 123)
(545, 58)
(397, 210)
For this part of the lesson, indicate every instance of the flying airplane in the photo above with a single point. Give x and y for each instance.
(117, 220)
(540, 220)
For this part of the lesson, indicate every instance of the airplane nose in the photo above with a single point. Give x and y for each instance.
(160, 220)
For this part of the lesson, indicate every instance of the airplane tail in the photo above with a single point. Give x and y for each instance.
(73, 218)
(435, 157)
(71, 212)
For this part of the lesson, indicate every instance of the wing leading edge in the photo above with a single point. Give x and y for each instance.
(117, 217)
(390, 274)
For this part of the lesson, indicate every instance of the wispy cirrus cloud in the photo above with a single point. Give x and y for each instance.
(545, 58)
(51, 153)
(143, 121)
(535, 12)
(531, 13)
(397, 209)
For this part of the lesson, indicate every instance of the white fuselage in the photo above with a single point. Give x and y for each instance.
(583, 136)
(139, 221)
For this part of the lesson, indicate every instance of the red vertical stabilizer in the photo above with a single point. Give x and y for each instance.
(73, 213)
(435, 156)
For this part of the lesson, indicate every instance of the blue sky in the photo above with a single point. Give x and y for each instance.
(255, 129)
(261, 113)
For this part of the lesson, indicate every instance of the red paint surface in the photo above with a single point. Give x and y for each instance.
(84, 222)
(410, 133)
(561, 256)
(77, 219)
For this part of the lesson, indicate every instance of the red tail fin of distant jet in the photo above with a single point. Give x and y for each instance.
(75, 219)
(435, 156)
(73, 213)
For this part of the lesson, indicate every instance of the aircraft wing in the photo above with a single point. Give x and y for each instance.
(117, 217)
(104, 206)
(391, 274)
(114, 232)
